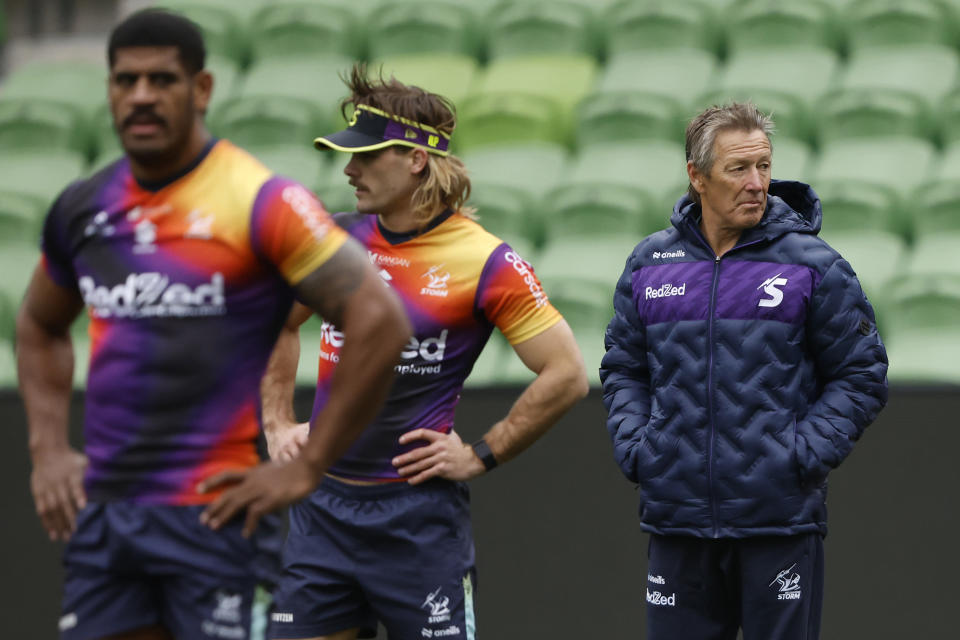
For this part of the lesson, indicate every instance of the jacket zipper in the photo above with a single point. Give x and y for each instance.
(713, 428)
(710, 394)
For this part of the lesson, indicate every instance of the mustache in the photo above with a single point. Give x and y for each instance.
(142, 116)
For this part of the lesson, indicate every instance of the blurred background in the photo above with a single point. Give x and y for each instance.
(571, 117)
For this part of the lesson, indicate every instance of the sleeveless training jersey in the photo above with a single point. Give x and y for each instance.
(457, 282)
(187, 284)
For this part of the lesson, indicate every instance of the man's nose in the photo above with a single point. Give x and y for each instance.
(754, 180)
(143, 92)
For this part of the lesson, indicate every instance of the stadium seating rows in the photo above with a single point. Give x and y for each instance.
(571, 121)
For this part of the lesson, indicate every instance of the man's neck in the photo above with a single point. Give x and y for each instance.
(404, 221)
(162, 171)
(720, 239)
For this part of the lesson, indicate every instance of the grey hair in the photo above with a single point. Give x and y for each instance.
(703, 129)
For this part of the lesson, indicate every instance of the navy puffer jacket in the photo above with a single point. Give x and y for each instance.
(734, 385)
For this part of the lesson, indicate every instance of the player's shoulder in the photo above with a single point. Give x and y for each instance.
(78, 196)
(471, 236)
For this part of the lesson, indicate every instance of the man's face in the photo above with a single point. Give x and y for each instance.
(733, 194)
(384, 179)
(155, 103)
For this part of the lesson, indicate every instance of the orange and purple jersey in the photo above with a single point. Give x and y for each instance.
(457, 282)
(187, 284)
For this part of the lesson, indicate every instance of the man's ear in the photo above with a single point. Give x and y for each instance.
(202, 90)
(696, 178)
(418, 160)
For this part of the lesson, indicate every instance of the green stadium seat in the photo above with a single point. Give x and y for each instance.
(317, 80)
(509, 117)
(8, 364)
(926, 70)
(678, 74)
(80, 84)
(657, 167)
(805, 72)
(304, 29)
(579, 277)
(508, 212)
(851, 206)
(627, 115)
(534, 168)
(949, 117)
(903, 163)
(922, 330)
(876, 255)
(936, 208)
(40, 123)
(488, 369)
(223, 24)
(561, 78)
(936, 255)
(451, 76)
(39, 175)
(949, 166)
(791, 158)
(422, 26)
(21, 217)
(298, 161)
(597, 210)
(661, 24)
(771, 24)
(866, 113)
(334, 189)
(892, 22)
(541, 27)
(261, 120)
(17, 262)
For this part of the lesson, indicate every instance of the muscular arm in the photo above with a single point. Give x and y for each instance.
(284, 435)
(560, 383)
(45, 371)
(346, 291)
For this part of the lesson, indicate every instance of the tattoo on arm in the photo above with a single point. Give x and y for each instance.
(328, 288)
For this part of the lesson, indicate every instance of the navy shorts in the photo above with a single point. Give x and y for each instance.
(700, 589)
(132, 565)
(392, 553)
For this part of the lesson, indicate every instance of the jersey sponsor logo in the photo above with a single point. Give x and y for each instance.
(305, 206)
(660, 599)
(381, 260)
(769, 287)
(788, 584)
(656, 579)
(665, 291)
(523, 268)
(146, 295)
(429, 349)
(281, 617)
(663, 255)
(437, 286)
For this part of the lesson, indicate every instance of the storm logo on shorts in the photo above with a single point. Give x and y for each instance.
(438, 605)
(789, 584)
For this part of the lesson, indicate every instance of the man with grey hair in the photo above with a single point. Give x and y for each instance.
(742, 363)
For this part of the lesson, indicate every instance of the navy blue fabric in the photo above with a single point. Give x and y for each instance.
(130, 565)
(770, 586)
(359, 554)
(734, 385)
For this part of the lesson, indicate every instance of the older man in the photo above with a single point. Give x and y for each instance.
(742, 364)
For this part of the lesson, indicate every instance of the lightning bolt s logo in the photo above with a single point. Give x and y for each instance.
(769, 287)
